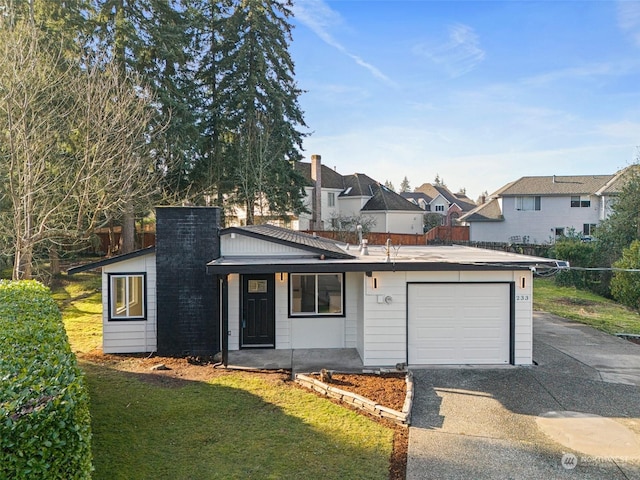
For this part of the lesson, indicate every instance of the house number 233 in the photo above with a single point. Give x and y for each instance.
(522, 298)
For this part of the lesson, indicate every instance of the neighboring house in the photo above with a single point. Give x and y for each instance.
(353, 196)
(201, 291)
(542, 209)
(343, 197)
(439, 199)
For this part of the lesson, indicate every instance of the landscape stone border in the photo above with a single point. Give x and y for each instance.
(363, 403)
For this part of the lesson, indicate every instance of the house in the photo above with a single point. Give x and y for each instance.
(202, 290)
(439, 199)
(330, 198)
(356, 195)
(543, 208)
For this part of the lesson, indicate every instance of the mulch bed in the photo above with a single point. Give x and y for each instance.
(388, 389)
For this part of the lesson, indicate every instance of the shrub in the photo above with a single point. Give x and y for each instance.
(625, 286)
(578, 254)
(45, 428)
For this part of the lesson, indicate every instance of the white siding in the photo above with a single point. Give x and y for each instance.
(131, 336)
(297, 332)
(358, 293)
(233, 289)
(538, 225)
(283, 322)
(351, 206)
(243, 245)
(384, 325)
(439, 201)
(327, 212)
(404, 222)
(353, 307)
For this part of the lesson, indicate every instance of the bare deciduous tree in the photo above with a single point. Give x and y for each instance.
(72, 146)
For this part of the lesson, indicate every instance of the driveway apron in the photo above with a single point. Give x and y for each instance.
(576, 414)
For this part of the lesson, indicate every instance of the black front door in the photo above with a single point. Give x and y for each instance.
(257, 321)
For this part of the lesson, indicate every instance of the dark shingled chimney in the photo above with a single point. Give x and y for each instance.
(316, 200)
(187, 238)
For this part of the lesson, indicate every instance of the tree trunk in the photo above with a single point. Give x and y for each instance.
(250, 213)
(22, 268)
(54, 260)
(128, 237)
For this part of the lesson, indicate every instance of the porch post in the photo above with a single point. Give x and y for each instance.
(224, 334)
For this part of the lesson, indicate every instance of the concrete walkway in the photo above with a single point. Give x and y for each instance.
(574, 415)
(300, 360)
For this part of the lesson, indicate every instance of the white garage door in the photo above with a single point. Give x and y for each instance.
(458, 323)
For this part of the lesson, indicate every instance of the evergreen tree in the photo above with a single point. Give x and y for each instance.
(623, 225)
(259, 97)
(152, 39)
(404, 185)
(389, 185)
(210, 178)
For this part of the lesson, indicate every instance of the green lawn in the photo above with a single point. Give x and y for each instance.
(584, 307)
(236, 425)
(79, 298)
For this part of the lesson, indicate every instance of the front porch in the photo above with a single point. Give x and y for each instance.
(299, 360)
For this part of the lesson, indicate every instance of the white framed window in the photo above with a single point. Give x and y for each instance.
(588, 229)
(127, 299)
(316, 294)
(528, 203)
(331, 199)
(578, 201)
(439, 208)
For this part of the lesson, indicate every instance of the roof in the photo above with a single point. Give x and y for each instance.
(615, 185)
(555, 185)
(432, 191)
(293, 238)
(387, 200)
(109, 261)
(487, 212)
(329, 177)
(358, 185)
(405, 258)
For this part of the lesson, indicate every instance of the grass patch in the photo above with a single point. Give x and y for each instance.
(235, 425)
(80, 300)
(585, 307)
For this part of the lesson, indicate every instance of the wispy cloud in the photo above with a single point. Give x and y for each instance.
(629, 19)
(576, 73)
(459, 55)
(320, 18)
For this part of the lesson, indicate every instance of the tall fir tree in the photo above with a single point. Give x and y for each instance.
(152, 39)
(405, 186)
(260, 100)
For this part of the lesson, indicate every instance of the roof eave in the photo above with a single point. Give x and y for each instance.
(308, 248)
(329, 266)
(112, 260)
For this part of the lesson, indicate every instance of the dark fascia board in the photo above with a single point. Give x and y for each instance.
(308, 248)
(109, 261)
(338, 267)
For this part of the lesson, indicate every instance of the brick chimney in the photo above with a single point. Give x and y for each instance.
(316, 200)
(186, 240)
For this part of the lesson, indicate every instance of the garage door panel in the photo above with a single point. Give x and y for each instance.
(458, 323)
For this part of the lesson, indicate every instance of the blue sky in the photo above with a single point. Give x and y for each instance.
(480, 93)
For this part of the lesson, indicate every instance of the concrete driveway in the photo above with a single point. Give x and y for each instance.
(574, 415)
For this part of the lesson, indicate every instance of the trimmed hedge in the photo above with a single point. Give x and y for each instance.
(45, 426)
